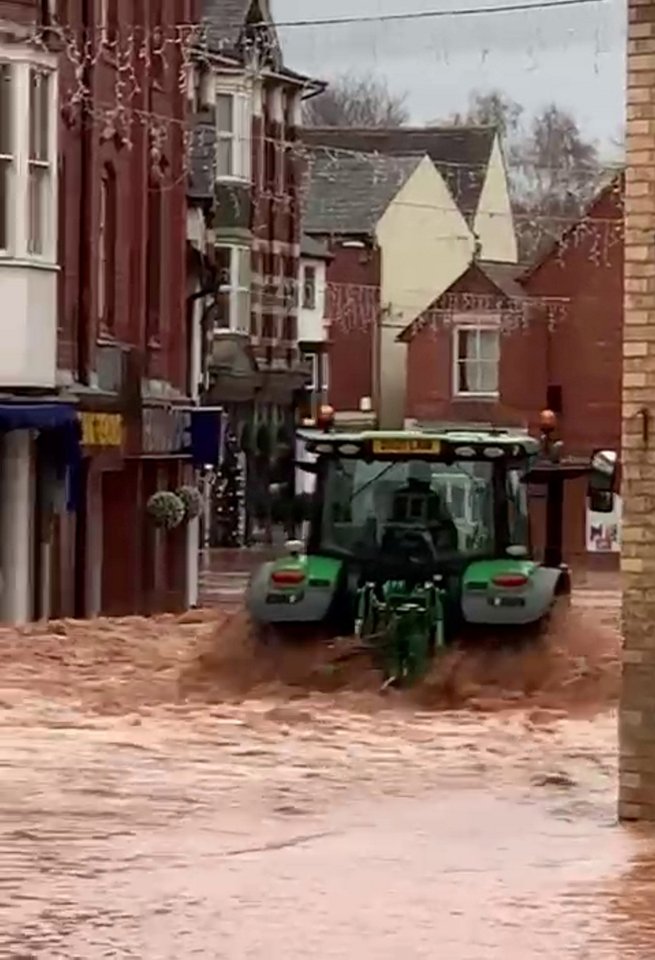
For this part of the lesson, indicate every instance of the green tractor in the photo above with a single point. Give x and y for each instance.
(417, 538)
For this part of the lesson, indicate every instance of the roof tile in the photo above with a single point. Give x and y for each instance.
(461, 154)
(348, 192)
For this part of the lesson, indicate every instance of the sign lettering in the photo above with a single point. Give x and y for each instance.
(404, 446)
(102, 429)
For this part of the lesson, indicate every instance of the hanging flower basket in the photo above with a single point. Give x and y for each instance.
(166, 509)
(192, 500)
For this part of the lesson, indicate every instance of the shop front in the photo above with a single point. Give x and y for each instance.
(158, 566)
(39, 455)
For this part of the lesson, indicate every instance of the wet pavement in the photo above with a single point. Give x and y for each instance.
(146, 815)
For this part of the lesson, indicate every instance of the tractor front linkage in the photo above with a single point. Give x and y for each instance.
(403, 625)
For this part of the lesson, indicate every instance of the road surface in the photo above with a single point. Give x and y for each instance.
(145, 815)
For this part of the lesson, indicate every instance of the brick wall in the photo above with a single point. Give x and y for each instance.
(522, 373)
(637, 717)
(127, 156)
(353, 300)
(572, 341)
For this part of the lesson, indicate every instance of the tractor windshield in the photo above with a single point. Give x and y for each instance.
(421, 510)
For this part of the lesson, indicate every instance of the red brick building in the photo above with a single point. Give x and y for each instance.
(356, 179)
(251, 104)
(122, 333)
(499, 346)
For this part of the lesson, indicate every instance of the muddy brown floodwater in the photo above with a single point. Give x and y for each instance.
(163, 797)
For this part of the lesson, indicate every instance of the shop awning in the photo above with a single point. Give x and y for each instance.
(60, 435)
(36, 416)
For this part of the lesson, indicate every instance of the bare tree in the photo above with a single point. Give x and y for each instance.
(492, 108)
(357, 101)
(553, 169)
(556, 159)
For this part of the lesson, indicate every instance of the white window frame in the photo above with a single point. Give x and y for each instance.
(102, 262)
(325, 371)
(304, 305)
(281, 147)
(8, 164)
(313, 360)
(39, 165)
(477, 326)
(22, 60)
(238, 293)
(240, 136)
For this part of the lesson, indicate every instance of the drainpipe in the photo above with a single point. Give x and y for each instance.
(84, 320)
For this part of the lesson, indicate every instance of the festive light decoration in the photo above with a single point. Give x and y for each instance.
(228, 498)
(127, 61)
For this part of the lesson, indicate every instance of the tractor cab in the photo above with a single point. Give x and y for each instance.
(444, 498)
(412, 513)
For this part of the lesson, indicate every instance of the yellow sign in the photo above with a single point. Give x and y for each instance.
(407, 445)
(102, 429)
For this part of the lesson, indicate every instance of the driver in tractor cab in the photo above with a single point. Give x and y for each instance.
(418, 505)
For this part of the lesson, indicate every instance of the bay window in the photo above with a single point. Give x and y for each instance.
(234, 280)
(28, 151)
(233, 135)
(476, 359)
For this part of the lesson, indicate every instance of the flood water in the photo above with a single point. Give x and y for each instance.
(143, 817)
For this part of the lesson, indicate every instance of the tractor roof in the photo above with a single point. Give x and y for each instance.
(458, 443)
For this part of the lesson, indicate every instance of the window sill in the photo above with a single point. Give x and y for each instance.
(29, 262)
(230, 332)
(244, 181)
(486, 397)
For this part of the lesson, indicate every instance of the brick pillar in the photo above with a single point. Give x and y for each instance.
(637, 710)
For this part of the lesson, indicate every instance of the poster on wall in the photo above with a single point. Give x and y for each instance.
(604, 529)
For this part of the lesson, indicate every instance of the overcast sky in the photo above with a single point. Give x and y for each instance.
(574, 55)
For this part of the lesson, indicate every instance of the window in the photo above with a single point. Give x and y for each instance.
(52, 10)
(476, 352)
(6, 152)
(311, 359)
(518, 514)
(234, 278)
(325, 372)
(309, 288)
(233, 136)
(154, 264)
(28, 158)
(107, 250)
(108, 21)
(61, 241)
(281, 163)
(369, 510)
(39, 172)
(111, 25)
